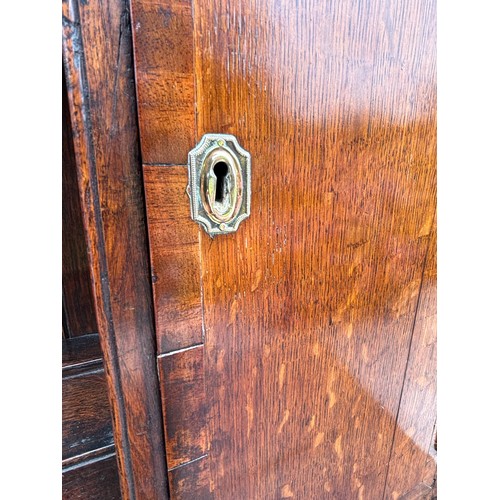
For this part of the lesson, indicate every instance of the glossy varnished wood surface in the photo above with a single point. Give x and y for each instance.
(97, 56)
(417, 409)
(314, 309)
(175, 259)
(309, 307)
(163, 34)
(165, 88)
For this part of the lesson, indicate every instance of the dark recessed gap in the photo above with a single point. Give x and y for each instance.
(220, 170)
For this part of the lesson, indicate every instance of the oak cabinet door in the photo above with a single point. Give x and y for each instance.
(296, 355)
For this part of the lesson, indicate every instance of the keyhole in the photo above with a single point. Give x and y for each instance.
(220, 170)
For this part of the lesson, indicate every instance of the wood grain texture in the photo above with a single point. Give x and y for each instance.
(81, 351)
(420, 492)
(184, 405)
(86, 415)
(99, 72)
(78, 301)
(88, 457)
(163, 44)
(417, 410)
(191, 481)
(93, 481)
(175, 258)
(309, 307)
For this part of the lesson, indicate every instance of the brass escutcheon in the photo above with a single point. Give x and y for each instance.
(219, 183)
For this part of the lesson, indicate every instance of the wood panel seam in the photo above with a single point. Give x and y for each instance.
(72, 371)
(176, 351)
(85, 373)
(188, 462)
(424, 266)
(80, 461)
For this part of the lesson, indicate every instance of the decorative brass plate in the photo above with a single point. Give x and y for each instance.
(219, 183)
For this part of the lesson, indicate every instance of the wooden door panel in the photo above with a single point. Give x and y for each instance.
(312, 331)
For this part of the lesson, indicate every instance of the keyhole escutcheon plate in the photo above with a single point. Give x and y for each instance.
(219, 183)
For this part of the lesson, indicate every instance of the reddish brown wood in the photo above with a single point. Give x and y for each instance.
(191, 481)
(309, 309)
(78, 301)
(184, 405)
(93, 481)
(163, 39)
(82, 352)
(87, 434)
(98, 66)
(86, 416)
(175, 259)
(88, 450)
(417, 410)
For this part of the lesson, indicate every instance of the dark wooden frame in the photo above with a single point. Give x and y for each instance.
(97, 56)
